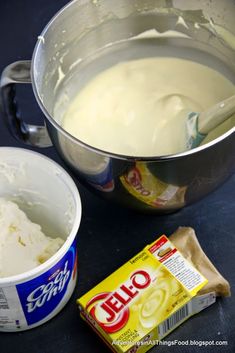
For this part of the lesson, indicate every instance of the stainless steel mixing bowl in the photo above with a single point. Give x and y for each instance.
(87, 36)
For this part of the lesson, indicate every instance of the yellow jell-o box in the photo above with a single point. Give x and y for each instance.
(143, 300)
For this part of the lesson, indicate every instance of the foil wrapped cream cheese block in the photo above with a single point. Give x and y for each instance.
(144, 299)
(186, 242)
(23, 246)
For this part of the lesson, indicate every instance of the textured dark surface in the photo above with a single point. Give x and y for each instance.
(110, 235)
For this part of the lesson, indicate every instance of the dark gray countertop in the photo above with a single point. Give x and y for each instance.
(110, 235)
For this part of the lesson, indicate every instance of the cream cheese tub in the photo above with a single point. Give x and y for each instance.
(48, 196)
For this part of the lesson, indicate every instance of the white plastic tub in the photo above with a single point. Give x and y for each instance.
(49, 197)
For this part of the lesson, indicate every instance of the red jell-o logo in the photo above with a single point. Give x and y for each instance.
(114, 306)
(134, 178)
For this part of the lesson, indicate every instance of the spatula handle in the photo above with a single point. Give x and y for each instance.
(216, 115)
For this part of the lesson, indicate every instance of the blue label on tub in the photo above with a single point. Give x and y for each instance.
(41, 295)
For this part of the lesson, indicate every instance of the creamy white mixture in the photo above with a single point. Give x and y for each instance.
(23, 246)
(139, 108)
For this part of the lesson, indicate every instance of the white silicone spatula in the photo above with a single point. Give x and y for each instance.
(198, 125)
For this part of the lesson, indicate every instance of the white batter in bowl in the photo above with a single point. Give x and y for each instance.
(140, 107)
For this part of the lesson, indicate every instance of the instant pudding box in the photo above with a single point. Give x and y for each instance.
(145, 299)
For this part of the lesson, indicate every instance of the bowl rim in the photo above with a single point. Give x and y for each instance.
(75, 140)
